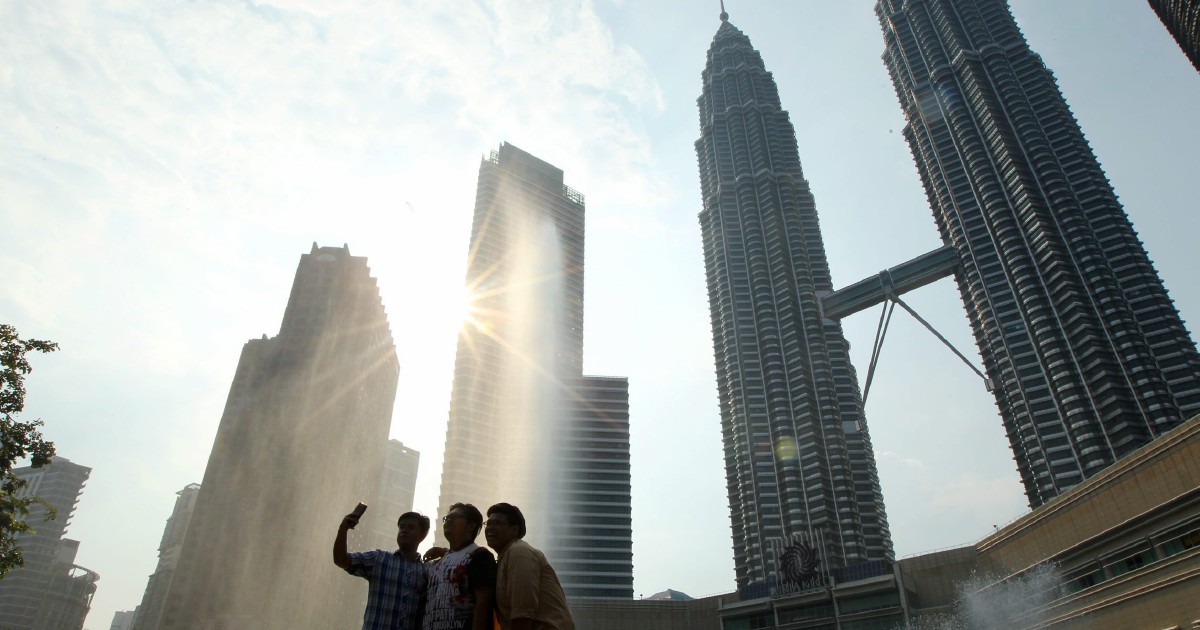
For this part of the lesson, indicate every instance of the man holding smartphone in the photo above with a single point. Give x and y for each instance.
(398, 579)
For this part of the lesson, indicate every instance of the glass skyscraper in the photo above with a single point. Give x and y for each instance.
(526, 427)
(592, 543)
(1088, 356)
(803, 489)
(522, 345)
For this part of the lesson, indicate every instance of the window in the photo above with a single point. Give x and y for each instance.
(753, 622)
(1133, 562)
(1181, 544)
(805, 613)
(869, 602)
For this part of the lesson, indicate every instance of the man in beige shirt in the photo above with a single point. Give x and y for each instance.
(528, 595)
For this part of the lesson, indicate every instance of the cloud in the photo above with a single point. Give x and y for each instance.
(163, 164)
(911, 462)
(975, 494)
(148, 136)
(628, 225)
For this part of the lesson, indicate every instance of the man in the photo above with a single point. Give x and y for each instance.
(462, 582)
(528, 595)
(398, 579)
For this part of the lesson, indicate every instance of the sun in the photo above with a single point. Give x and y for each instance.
(462, 306)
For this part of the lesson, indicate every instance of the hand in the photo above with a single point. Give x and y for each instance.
(350, 521)
(433, 553)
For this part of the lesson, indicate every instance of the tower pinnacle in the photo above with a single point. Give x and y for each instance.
(724, 15)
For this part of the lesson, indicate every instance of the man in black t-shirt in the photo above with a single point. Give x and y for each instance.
(462, 583)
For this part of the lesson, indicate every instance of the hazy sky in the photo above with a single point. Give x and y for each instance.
(164, 164)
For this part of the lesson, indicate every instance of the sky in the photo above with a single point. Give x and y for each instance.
(163, 165)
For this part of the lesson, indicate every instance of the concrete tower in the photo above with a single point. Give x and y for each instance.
(1087, 355)
(521, 413)
(50, 592)
(523, 342)
(399, 483)
(303, 437)
(149, 611)
(803, 490)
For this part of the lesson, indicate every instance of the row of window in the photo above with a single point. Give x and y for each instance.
(1139, 557)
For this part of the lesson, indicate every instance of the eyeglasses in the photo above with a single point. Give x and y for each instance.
(450, 517)
(491, 522)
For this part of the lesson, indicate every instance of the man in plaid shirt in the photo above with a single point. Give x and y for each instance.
(398, 579)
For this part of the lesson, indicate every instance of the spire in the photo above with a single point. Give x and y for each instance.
(724, 15)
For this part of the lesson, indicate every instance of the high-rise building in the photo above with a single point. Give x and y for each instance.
(1086, 353)
(150, 610)
(511, 435)
(803, 490)
(523, 341)
(122, 620)
(50, 592)
(1182, 19)
(592, 544)
(302, 439)
(399, 480)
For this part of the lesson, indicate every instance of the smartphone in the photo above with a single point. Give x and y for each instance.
(359, 509)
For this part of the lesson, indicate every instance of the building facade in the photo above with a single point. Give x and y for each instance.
(122, 620)
(519, 417)
(302, 439)
(803, 489)
(523, 340)
(592, 547)
(1123, 546)
(146, 615)
(399, 479)
(50, 592)
(1120, 550)
(1182, 19)
(1086, 353)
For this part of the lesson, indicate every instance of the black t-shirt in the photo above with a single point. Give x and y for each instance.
(452, 584)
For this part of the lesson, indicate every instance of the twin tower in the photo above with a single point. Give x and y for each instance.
(1084, 351)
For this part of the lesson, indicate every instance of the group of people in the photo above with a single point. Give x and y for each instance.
(462, 587)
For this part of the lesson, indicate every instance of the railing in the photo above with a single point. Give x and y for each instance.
(573, 195)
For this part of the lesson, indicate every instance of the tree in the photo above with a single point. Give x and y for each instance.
(18, 440)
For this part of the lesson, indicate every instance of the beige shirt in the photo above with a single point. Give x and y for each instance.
(528, 588)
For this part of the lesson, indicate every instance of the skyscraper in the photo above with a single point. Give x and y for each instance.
(399, 483)
(303, 437)
(122, 620)
(1182, 19)
(592, 543)
(1088, 355)
(800, 471)
(148, 613)
(520, 427)
(50, 592)
(523, 343)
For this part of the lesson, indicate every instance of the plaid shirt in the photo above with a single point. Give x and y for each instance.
(396, 598)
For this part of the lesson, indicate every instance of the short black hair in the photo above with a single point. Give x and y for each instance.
(512, 513)
(415, 516)
(473, 516)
